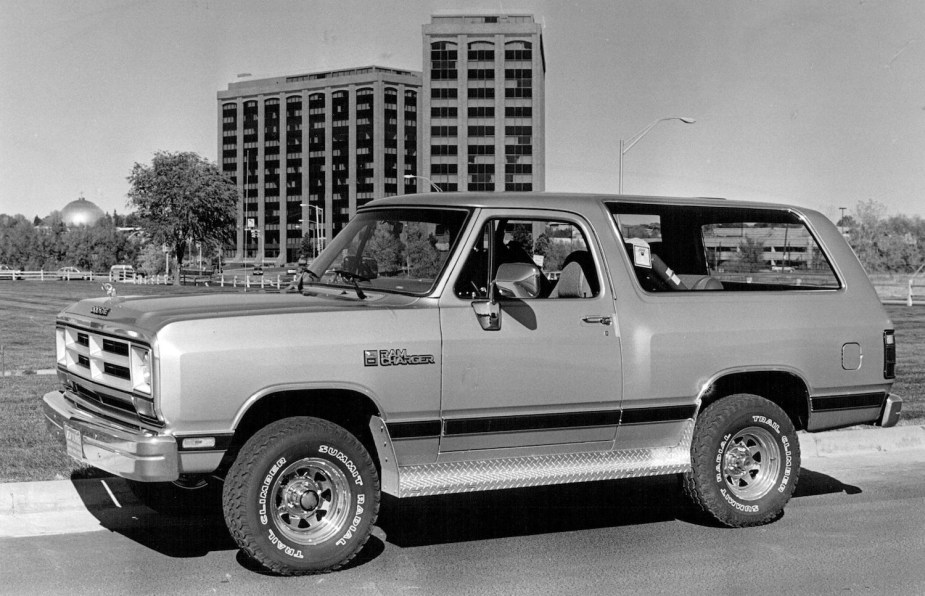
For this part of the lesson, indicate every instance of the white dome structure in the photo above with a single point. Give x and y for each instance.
(81, 213)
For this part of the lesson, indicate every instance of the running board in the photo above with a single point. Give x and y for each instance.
(519, 472)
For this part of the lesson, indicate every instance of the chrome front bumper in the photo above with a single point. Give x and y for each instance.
(133, 454)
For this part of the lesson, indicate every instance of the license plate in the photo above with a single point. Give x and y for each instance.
(74, 443)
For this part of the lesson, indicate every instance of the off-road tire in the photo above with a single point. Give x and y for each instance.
(302, 496)
(186, 497)
(745, 461)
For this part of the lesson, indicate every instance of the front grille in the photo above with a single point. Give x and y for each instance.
(120, 348)
(105, 363)
(113, 419)
(103, 399)
(123, 372)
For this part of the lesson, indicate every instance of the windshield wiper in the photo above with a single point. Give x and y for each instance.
(350, 276)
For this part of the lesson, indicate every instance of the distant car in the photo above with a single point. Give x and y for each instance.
(7, 272)
(73, 273)
(258, 269)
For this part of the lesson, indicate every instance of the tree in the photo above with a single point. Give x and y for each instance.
(750, 257)
(386, 247)
(181, 197)
(152, 260)
(424, 260)
(307, 246)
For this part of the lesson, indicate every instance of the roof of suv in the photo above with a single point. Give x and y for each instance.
(534, 200)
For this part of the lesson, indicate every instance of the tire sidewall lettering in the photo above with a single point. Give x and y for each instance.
(264, 492)
(281, 546)
(355, 522)
(342, 457)
(788, 464)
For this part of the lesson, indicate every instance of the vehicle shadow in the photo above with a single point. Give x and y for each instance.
(813, 483)
(436, 520)
(111, 502)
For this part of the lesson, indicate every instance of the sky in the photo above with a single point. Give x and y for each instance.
(814, 103)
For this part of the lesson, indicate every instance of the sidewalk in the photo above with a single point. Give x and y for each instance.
(64, 506)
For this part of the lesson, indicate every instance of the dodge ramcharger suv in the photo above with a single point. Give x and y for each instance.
(454, 342)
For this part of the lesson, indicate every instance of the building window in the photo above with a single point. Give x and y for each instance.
(444, 93)
(481, 51)
(518, 50)
(518, 131)
(481, 149)
(444, 168)
(481, 74)
(518, 112)
(443, 59)
(444, 150)
(443, 131)
(443, 112)
(481, 92)
(482, 112)
(481, 131)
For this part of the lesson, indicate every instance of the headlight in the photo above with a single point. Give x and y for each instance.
(141, 369)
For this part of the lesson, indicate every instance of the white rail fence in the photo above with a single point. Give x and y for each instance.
(221, 280)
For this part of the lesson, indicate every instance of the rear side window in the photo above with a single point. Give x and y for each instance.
(688, 248)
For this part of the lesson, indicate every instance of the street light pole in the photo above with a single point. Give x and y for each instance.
(626, 145)
(319, 217)
(411, 176)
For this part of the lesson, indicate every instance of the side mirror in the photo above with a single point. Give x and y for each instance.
(513, 280)
(488, 312)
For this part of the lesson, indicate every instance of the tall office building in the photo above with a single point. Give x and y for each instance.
(311, 148)
(483, 109)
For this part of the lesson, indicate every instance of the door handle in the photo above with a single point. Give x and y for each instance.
(603, 320)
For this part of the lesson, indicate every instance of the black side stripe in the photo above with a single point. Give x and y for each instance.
(504, 424)
(847, 402)
(477, 426)
(414, 430)
(650, 415)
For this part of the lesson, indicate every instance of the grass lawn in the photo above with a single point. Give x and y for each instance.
(27, 338)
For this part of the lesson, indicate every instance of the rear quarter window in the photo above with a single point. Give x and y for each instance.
(709, 248)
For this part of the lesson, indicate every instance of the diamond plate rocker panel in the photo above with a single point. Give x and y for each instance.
(518, 472)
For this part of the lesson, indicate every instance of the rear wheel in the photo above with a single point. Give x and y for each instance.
(745, 461)
(302, 496)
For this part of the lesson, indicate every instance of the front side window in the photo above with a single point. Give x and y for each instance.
(391, 250)
(557, 248)
(693, 248)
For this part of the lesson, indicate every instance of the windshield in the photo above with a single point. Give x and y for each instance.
(391, 250)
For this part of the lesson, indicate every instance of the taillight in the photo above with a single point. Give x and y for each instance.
(889, 355)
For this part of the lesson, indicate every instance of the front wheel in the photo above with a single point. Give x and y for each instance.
(302, 496)
(745, 461)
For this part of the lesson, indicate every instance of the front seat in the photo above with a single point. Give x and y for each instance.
(572, 283)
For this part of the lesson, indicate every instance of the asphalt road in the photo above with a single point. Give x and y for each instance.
(855, 525)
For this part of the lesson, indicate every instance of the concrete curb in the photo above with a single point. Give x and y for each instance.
(862, 440)
(26, 373)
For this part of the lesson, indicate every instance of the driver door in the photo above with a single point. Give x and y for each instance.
(551, 374)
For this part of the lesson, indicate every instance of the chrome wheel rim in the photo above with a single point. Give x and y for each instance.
(310, 501)
(751, 463)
